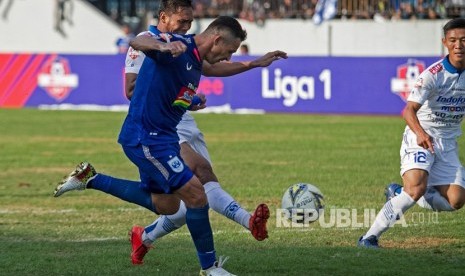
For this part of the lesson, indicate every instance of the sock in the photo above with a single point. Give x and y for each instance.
(386, 217)
(201, 232)
(433, 200)
(164, 225)
(126, 190)
(221, 202)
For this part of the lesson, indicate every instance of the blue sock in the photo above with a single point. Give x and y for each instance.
(201, 232)
(126, 190)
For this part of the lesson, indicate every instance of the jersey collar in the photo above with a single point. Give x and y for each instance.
(449, 67)
(154, 29)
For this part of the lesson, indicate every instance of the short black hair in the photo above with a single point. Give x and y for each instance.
(456, 23)
(228, 23)
(172, 6)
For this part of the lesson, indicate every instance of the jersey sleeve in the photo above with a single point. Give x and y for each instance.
(423, 88)
(134, 58)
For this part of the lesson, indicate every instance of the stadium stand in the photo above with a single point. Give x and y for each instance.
(136, 12)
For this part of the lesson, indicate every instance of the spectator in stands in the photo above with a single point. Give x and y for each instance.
(122, 43)
(7, 9)
(260, 10)
(63, 13)
(244, 49)
(199, 8)
(407, 11)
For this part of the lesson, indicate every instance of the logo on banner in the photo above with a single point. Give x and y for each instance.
(407, 78)
(56, 79)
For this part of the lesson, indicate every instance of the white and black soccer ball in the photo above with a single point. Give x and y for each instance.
(303, 198)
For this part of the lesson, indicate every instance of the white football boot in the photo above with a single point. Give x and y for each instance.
(76, 180)
(217, 269)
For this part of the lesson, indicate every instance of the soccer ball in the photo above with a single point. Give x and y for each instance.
(304, 200)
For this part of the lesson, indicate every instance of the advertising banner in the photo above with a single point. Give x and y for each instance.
(337, 85)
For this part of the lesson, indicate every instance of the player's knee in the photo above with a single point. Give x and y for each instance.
(416, 192)
(457, 204)
(457, 199)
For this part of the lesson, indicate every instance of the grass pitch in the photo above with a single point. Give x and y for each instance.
(256, 157)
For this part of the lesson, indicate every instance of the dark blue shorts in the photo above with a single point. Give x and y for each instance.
(161, 168)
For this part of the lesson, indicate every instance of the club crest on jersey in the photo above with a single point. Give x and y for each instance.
(184, 98)
(175, 164)
(56, 79)
(407, 78)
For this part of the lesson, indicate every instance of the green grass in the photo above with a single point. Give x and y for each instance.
(256, 157)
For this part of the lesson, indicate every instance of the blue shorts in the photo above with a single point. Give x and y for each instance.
(161, 168)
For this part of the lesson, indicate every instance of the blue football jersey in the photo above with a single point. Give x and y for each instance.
(164, 90)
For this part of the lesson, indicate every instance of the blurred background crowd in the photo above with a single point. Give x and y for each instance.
(133, 11)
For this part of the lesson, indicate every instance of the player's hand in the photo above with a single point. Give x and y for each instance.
(268, 58)
(425, 141)
(199, 103)
(176, 48)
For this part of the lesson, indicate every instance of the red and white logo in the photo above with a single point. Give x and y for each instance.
(133, 54)
(56, 79)
(407, 78)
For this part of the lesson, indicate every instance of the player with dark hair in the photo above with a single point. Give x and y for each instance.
(165, 89)
(179, 22)
(430, 167)
(175, 16)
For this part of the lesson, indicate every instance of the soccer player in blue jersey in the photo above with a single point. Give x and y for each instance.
(165, 89)
(431, 170)
(176, 16)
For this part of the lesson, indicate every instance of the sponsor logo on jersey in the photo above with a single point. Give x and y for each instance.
(453, 108)
(436, 68)
(175, 164)
(407, 78)
(451, 100)
(132, 53)
(56, 79)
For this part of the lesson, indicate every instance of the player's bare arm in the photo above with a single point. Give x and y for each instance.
(225, 69)
(147, 43)
(130, 83)
(410, 116)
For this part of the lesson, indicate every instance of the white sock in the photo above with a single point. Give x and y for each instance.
(433, 200)
(386, 217)
(224, 204)
(164, 225)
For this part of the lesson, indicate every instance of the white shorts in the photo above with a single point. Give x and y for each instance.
(443, 166)
(190, 133)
